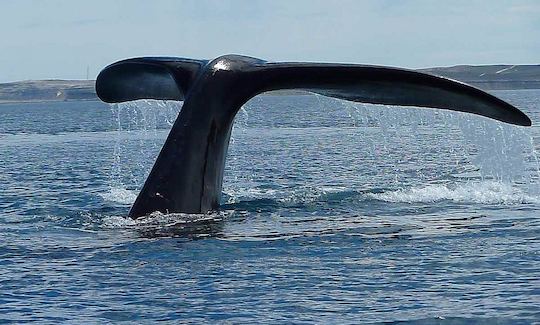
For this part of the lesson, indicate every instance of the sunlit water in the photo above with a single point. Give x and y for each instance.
(332, 213)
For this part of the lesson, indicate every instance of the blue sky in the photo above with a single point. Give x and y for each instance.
(60, 39)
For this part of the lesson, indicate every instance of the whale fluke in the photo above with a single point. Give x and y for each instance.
(147, 78)
(188, 172)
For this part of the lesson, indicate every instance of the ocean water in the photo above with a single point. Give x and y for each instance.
(332, 213)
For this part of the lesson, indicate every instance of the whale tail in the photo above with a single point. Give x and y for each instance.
(188, 172)
(172, 78)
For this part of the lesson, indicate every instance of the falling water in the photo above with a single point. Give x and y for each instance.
(141, 129)
(445, 152)
(494, 162)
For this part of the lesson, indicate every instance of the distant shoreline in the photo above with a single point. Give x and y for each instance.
(40, 101)
(486, 77)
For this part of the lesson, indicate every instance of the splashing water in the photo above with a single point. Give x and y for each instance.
(142, 127)
(451, 155)
(500, 151)
(485, 192)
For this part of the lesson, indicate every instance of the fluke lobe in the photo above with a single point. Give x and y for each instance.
(188, 173)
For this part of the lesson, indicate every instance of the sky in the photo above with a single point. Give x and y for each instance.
(61, 39)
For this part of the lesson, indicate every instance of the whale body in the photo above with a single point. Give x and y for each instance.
(188, 173)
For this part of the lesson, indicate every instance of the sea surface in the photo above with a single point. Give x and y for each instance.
(333, 213)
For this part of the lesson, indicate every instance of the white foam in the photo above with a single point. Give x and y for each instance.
(158, 220)
(166, 219)
(487, 192)
(119, 195)
(115, 222)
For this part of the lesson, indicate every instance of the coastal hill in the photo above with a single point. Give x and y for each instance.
(492, 77)
(487, 77)
(47, 90)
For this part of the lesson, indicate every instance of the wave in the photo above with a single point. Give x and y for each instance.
(170, 225)
(259, 215)
(482, 192)
(486, 192)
